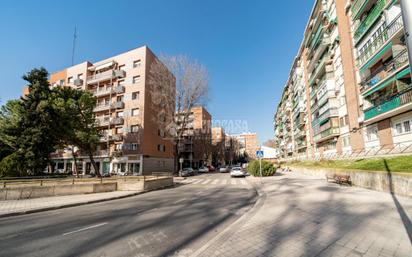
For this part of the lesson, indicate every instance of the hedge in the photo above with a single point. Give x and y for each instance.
(268, 169)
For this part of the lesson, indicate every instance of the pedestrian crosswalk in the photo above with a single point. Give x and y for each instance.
(215, 182)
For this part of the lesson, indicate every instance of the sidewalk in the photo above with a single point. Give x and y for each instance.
(299, 215)
(17, 207)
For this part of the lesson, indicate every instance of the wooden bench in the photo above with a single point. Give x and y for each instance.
(340, 179)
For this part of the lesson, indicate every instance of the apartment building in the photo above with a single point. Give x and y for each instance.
(131, 139)
(247, 143)
(351, 79)
(218, 146)
(195, 146)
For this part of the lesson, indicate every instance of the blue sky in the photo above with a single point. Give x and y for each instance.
(247, 46)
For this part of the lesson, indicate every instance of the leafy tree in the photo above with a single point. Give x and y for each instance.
(76, 122)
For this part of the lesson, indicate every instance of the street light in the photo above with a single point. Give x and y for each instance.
(406, 8)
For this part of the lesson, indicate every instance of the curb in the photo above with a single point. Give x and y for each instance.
(19, 213)
(261, 197)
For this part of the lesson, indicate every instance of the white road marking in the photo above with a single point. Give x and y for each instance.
(224, 182)
(215, 181)
(181, 200)
(196, 181)
(243, 182)
(86, 228)
(206, 181)
(233, 182)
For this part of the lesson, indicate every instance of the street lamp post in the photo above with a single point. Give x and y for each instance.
(406, 8)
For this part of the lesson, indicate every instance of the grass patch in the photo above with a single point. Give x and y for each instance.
(395, 164)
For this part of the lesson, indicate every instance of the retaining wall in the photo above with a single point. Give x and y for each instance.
(397, 183)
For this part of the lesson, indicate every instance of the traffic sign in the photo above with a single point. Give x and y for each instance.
(259, 154)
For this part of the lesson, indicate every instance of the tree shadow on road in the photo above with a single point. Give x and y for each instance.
(404, 217)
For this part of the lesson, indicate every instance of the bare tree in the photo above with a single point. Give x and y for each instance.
(270, 143)
(177, 84)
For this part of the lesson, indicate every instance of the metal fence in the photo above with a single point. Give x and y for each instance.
(404, 148)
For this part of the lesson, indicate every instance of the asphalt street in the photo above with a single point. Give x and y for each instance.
(171, 222)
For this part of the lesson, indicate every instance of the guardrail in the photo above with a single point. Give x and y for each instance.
(403, 148)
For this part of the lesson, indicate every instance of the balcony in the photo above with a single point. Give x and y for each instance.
(117, 137)
(118, 105)
(117, 121)
(332, 112)
(103, 121)
(373, 15)
(119, 89)
(102, 107)
(327, 134)
(386, 71)
(377, 42)
(400, 100)
(318, 50)
(106, 75)
(78, 82)
(102, 92)
(356, 7)
(320, 69)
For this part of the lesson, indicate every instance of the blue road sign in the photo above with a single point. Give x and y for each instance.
(259, 154)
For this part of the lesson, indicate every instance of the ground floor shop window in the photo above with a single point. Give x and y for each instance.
(134, 168)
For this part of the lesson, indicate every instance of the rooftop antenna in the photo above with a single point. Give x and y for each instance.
(74, 43)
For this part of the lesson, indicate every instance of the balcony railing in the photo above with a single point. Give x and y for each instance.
(110, 74)
(118, 105)
(102, 92)
(392, 103)
(327, 133)
(386, 70)
(370, 19)
(118, 121)
(356, 7)
(319, 67)
(326, 115)
(376, 42)
(102, 107)
(103, 121)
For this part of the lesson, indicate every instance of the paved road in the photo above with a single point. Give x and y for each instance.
(159, 223)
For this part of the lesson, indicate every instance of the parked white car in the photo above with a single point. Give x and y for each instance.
(203, 169)
(237, 172)
(224, 169)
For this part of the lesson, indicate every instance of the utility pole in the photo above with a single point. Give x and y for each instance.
(74, 43)
(406, 8)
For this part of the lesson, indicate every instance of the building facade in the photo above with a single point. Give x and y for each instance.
(349, 88)
(195, 146)
(247, 144)
(131, 139)
(218, 146)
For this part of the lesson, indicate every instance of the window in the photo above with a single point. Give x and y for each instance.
(119, 130)
(372, 133)
(135, 95)
(134, 128)
(344, 121)
(121, 83)
(342, 101)
(135, 112)
(407, 126)
(136, 79)
(80, 76)
(161, 148)
(398, 128)
(122, 67)
(136, 64)
(346, 141)
(119, 147)
(70, 80)
(134, 146)
(119, 114)
(120, 98)
(61, 82)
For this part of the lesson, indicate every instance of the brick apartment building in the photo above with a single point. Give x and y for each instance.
(218, 146)
(131, 140)
(349, 88)
(248, 144)
(196, 145)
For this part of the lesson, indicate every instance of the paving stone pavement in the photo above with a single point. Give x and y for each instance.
(29, 205)
(306, 216)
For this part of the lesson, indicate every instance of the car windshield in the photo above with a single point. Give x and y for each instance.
(237, 168)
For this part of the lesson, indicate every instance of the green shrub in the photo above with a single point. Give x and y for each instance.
(11, 166)
(268, 169)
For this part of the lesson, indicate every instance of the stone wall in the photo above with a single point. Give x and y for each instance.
(398, 183)
(158, 183)
(151, 164)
